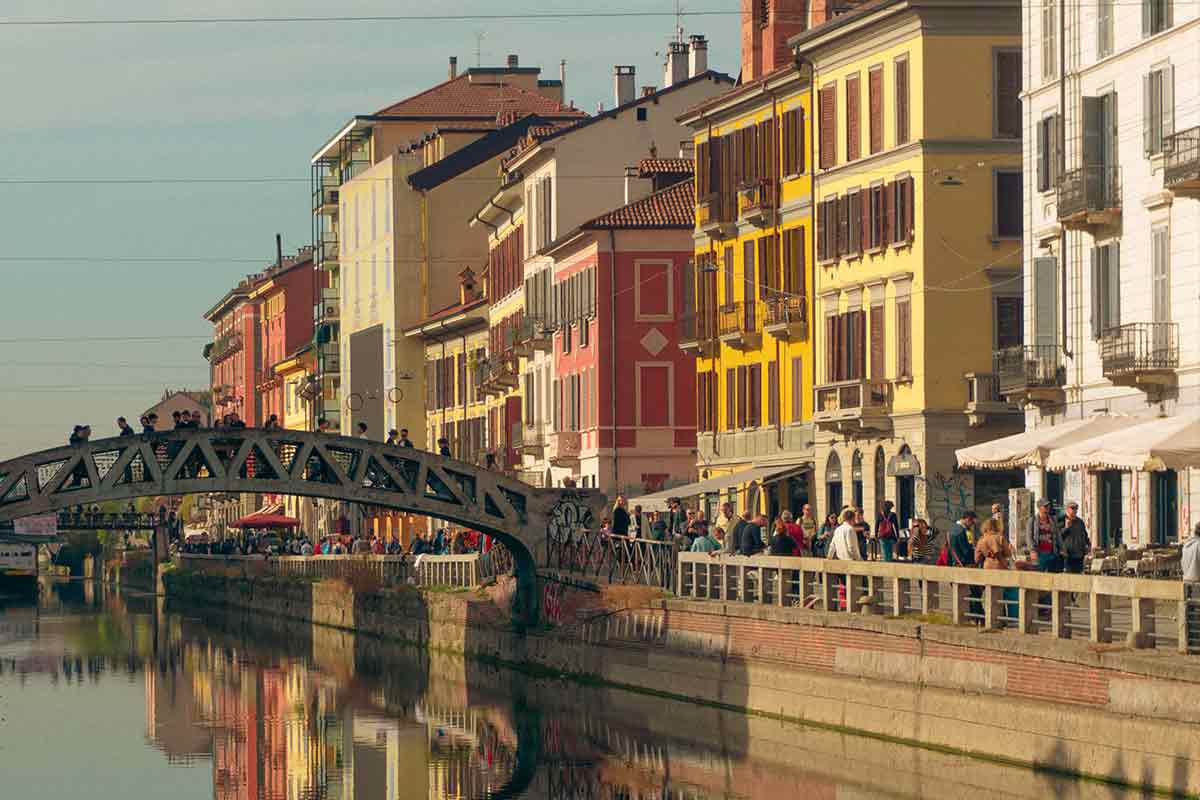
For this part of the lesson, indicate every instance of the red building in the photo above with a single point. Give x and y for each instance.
(285, 295)
(234, 355)
(623, 395)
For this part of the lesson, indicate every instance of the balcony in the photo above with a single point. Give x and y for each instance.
(698, 332)
(984, 401)
(497, 374)
(530, 440)
(1181, 163)
(534, 333)
(1030, 375)
(756, 203)
(1141, 354)
(851, 407)
(786, 317)
(326, 309)
(224, 347)
(709, 218)
(565, 447)
(1090, 197)
(329, 359)
(325, 251)
(325, 197)
(738, 325)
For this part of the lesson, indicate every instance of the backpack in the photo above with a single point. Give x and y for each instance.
(885, 529)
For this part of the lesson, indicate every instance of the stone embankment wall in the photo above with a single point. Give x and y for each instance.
(1106, 712)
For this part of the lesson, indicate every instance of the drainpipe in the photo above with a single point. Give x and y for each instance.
(1062, 161)
(612, 351)
(777, 188)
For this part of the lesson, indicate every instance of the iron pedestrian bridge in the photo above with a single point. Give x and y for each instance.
(196, 461)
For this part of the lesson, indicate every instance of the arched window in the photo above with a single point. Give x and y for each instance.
(833, 484)
(856, 479)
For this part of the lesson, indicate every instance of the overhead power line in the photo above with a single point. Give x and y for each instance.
(58, 339)
(519, 16)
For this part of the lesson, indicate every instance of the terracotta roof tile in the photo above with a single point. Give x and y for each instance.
(462, 97)
(673, 207)
(665, 166)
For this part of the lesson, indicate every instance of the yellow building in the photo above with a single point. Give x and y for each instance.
(918, 248)
(750, 328)
(296, 373)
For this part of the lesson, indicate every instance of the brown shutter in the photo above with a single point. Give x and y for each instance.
(743, 405)
(797, 389)
(902, 121)
(878, 347)
(864, 225)
(875, 89)
(831, 349)
(889, 212)
(909, 214)
(765, 284)
(828, 140)
(773, 393)
(903, 339)
(754, 388)
(853, 132)
(843, 225)
(860, 344)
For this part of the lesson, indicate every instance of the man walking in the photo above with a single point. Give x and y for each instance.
(1075, 542)
(844, 544)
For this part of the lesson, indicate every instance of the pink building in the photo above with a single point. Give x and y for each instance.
(234, 353)
(623, 394)
(285, 294)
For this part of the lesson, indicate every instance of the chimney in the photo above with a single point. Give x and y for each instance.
(648, 90)
(635, 188)
(623, 83)
(698, 55)
(687, 149)
(453, 67)
(676, 67)
(513, 61)
(562, 78)
(466, 286)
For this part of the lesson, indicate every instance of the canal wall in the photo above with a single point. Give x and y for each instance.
(1131, 717)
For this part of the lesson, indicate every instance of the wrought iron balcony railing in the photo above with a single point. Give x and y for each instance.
(786, 316)
(1181, 161)
(1138, 351)
(1020, 369)
(756, 202)
(1087, 192)
(736, 322)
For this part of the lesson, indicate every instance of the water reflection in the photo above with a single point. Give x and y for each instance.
(238, 707)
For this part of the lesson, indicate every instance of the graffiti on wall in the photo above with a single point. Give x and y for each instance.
(572, 512)
(946, 498)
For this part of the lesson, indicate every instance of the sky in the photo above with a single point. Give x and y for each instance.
(120, 274)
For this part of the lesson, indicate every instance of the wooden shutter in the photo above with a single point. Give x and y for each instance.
(843, 226)
(907, 189)
(902, 120)
(1045, 301)
(743, 397)
(889, 214)
(1043, 155)
(878, 343)
(827, 98)
(797, 389)
(822, 238)
(875, 92)
(748, 272)
(730, 399)
(1160, 260)
(754, 395)
(461, 392)
(860, 344)
(1098, 303)
(1113, 285)
(766, 279)
(831, 348)
(1008, 94)
(794, 273)
(904, 338)
(429, 395)
(845, 362)
(853, 132)
(773, 393)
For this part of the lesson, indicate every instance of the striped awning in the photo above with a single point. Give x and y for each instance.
(763, 474)
(1151, 444)
(1033, 447)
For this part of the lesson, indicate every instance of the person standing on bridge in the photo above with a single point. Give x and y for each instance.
(392, 437)
(844, 543)
(443, 447)
(620, 517)
(887, 529)
(124, 428)
(362, 430)
(1075, 542)
(404, 441)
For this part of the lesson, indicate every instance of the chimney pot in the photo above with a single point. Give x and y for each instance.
(453, 67)
(648, 90)
(676, 66)
(624, 80)
(513, 61)
(698, 55)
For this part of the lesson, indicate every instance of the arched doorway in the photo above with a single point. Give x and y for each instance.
(856, 478)
(906, 490)
(833, 484)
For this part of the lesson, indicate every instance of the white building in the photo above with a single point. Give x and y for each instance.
(1111, 270)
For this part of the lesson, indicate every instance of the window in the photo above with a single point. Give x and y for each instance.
(878, 343)
(1010, 213)
(1009, 322)
(902, 121)
(853, 134)
(753, 395)
(827, 229)
(793, 142)
(1156, 16)
(1049, 147)
(768, 267)
(743, 398)
(1158, 108)
(793, 262)
(1049, 39)
(1007, 86)
(728, 276)
(854, 227)
(842, 244)
(705, 407)
(1104, 28)
(641, 114)
(797, 389)
(585, 331)
(731, 399)
(1106, 288)
(901, 216)
(749, 278)
(827, 143)
(875, 100)
(773, 393)
(845, 346)
(875, 217)
(904, 365)
(1161, 269)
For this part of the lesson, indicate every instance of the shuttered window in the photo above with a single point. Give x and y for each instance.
(749, 275)
(1045, 301)
(875, 101)
(773, 393)
(876, 208)
(901, 220)
(878, 343)
(797, 389)
(853, 131)
(1104, 28)
(743, 398)
(846, 344)
(1010, 213)
(1048, 152)
(1156, 16)
(1007, 85)
(768, 152)
(827, 141)
(1106, 288)
(827, 229)
(793, 142)
(768, 267)
(1160, 256)
(753, 395)
(1009, 327)
(1158, 109)
(1049, 39)
(902, 105)
(731, 399)
(854, 228)
(904, 365)
(793, 262)
(728, 275)
(842, 243)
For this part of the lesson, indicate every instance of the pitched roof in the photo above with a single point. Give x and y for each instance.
(449, 311)
(464, 97)
(648, 167)
(673, 207)
(486, 147)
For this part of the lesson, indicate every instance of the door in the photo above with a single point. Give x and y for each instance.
(1054, 490)
(833, 497)
(906, 491)
(1164, 491)
(1110, 509)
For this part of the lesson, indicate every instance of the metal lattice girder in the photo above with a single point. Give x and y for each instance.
(296, 463)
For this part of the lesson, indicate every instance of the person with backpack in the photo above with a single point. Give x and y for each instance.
(887, 530)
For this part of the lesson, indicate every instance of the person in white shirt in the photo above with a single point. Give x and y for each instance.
(844, 543)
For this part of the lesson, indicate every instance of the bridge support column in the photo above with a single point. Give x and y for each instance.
(528, 596)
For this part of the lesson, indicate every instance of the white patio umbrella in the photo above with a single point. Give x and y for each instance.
(1153, 444)
(1031, 448)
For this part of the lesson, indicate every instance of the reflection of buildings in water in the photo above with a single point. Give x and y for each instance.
(171, 716)
(469, 756)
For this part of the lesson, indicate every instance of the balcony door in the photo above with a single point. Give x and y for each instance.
(1161, 266)
(1110, 508)
(1100, 137)
(1165, 492)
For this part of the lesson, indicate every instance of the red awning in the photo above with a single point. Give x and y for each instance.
(266, 521)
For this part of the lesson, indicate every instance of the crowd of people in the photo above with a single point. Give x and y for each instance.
(440, 542)
(1056, 545)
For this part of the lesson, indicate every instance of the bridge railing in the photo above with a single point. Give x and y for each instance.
(1096, 608)
(459, 571)
(616, 559)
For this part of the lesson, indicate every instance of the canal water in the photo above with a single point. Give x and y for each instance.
(112, 696)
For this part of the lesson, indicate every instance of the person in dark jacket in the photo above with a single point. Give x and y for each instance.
(752, 536)
(620, 517)
(962, 552)
(1074, 540)
(782, 543)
